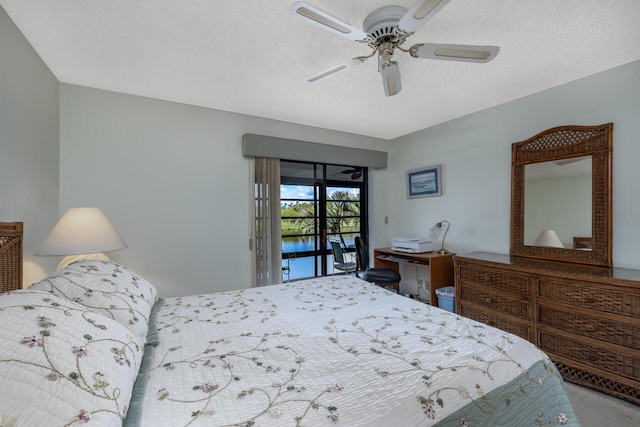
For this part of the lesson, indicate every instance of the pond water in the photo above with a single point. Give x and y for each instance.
(301, 267)
(298, 244)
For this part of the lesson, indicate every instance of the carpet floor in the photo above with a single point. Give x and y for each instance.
(595, 409)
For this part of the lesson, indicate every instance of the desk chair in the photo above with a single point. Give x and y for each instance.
(379, 276)
(338, 258)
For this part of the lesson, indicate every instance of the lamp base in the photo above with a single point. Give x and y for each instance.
(443, 252)
(73, 258)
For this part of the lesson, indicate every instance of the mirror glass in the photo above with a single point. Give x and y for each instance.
(558, 203)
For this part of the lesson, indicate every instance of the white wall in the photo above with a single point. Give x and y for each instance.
(172, 180)
(475, 154)
(28, 144)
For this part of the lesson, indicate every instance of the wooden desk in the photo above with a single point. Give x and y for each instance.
(440, 267)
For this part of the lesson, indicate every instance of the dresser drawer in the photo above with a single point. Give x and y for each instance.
(519, 329)
(592, 355)
(582, 294)
(495, 302)
(608, 330)
(495, 278)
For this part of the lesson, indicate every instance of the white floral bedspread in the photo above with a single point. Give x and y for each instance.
(340, 351)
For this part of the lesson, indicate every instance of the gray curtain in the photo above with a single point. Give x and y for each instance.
(267, 249)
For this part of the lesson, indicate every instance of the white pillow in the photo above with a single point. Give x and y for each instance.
(108, 288)
(61, 363)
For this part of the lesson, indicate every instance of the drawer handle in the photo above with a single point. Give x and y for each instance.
(590, 299)
(590, 327)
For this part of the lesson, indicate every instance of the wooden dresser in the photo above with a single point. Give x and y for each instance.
(587, 319)
(10, 256)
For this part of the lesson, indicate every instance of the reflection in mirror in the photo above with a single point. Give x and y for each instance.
(558, 201)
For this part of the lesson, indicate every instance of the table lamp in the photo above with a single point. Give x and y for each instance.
(438, 226)
(81, 233)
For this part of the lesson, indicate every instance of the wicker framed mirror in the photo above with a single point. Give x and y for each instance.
(564, 145)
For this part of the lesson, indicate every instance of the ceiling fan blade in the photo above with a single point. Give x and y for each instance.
(390, 77)
(351, 63)
(454, 52)
(322, 19)
(419, 13)
(354, 170)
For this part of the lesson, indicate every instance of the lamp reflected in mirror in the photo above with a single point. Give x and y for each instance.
(548, 238)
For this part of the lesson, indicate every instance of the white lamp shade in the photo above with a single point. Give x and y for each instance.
(548, 238)
(81, 231)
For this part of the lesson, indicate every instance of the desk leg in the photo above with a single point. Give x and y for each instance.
(440, 275)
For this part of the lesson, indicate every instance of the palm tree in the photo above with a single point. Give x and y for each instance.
(343, 211)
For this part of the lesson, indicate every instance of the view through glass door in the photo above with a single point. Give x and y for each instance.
(319, 203)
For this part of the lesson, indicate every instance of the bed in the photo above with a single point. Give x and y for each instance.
(93, 344)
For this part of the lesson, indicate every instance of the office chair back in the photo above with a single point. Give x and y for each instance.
(362, 255)
(379, 276)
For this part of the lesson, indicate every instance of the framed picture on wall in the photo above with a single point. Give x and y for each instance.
(424, 182)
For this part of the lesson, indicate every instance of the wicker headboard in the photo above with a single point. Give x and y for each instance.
(10, 256)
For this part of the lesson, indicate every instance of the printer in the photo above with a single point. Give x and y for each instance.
(412, 245)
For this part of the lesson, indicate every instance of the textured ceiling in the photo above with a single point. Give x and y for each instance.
(252, 57)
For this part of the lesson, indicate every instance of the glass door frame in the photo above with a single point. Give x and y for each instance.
(362, 186)
(320, 185)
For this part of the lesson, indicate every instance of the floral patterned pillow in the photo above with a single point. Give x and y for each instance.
(63, 364)
(108, 288)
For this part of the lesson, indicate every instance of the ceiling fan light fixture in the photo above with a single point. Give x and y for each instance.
(391, 79)
(392, 85)
(460, 53)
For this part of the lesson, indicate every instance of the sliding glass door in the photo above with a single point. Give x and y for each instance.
(319, 203)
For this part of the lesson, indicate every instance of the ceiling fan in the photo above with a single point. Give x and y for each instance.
(387, 29)
(355, 172)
